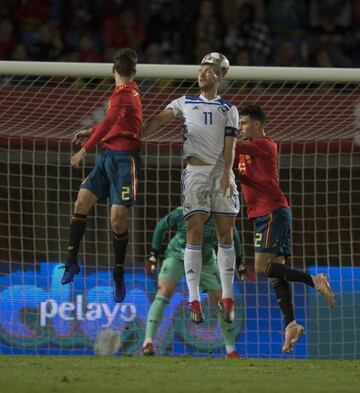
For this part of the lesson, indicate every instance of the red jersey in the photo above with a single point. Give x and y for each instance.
(259, 179)
(121, 128)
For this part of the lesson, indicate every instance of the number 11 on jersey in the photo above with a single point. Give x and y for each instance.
(208, 117)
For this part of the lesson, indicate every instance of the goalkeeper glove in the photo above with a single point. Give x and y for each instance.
(151, 262)
(244, 272)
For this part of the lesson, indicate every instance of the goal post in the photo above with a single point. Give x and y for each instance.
(313, 115)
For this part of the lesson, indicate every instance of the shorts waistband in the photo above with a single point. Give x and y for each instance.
(121, 153)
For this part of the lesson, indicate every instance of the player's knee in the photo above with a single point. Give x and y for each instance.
(118, 226)
(225, 238)
(165, 292)
(194, 235)
(261, 267)
(81, 207)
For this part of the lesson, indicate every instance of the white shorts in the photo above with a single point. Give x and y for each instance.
(201, 191)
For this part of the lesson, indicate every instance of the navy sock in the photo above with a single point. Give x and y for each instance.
(279, 270)
(120, 243)
(77, 230)
(283, 296)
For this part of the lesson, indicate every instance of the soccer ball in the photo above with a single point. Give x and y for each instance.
(108, 342)
(217, 59)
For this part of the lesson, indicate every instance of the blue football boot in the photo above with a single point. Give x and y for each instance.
(119, 286)
(69, 272)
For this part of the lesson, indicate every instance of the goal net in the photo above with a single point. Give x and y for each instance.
(313, 114)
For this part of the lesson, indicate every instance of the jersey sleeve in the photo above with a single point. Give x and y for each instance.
(232, 123)
(118, 107)
(252, 148)
(177, 106)
(170, 221)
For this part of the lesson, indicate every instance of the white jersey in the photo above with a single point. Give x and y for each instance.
(205, 125)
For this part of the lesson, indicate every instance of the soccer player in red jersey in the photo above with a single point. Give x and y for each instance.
(268, 208)
(116, 172)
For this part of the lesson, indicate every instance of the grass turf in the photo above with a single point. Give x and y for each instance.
(82, 374)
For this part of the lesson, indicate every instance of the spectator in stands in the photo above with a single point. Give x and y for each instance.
(154, 54)
(124, 30)
(19, 53)
(202, 47)
(77, 21)
(243, 58)
(355, 34)
(287, 54)
(47, 45)
(163, 30)
(329, 35)
(6, 38)
(321, 58)
(287, 17)
(31, 14)
(248, 33)
(208, 25)
(87, 52)
(338, 10)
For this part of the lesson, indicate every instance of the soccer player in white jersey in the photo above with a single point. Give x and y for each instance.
(210, 128)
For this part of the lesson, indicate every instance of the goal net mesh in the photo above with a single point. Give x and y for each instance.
(314, 124)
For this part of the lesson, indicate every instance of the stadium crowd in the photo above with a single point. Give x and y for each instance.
(319, 33)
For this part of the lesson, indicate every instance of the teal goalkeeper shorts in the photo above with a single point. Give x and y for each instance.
(115, 176)
(173, 269)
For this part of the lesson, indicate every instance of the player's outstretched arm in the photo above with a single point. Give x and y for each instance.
(156, 122)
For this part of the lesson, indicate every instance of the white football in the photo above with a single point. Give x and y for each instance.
(108, 342)
(217, 59)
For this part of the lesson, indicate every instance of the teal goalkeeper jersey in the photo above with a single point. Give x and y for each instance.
(176, 247)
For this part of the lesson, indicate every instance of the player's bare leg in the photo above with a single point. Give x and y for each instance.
(226, 263)
(118, 221)
(84, 202)
(193, 263)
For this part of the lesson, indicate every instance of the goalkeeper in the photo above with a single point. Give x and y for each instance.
(172, 270)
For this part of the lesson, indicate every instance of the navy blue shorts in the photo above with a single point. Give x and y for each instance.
(273, 232)
(115, 176)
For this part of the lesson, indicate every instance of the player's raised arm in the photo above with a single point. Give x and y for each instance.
(157, 121)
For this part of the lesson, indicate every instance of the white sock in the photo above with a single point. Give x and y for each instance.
(229, 348)
(226, 263)
(193, 265)
(147, 341)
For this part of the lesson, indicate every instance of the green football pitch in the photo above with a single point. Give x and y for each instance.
(20, 374)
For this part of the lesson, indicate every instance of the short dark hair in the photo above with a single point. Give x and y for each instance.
(125, 60)
(255, 113)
